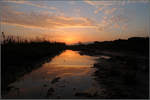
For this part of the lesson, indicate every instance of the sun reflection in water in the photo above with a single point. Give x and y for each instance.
(73, 69)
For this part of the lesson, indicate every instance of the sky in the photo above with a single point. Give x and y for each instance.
(75, 21)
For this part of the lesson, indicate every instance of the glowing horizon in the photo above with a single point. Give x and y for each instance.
(75, 21)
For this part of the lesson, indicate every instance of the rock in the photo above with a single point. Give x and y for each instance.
(74, 88)
(55, 80)
(50, 91)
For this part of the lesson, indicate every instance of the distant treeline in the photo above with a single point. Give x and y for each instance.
(134, 44)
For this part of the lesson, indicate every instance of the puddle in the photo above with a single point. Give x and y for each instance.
(64, 76)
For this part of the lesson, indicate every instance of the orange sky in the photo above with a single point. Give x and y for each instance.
(74, 21)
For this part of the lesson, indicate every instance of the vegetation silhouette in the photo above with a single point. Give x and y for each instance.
(20, 56)
(138, 45)
(126, 70)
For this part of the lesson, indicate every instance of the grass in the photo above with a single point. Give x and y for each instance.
(20, 56)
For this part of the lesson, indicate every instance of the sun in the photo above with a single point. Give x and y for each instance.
(70, 40)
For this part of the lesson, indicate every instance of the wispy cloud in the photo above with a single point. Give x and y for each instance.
(43, 19)
(49, 20)
(99, 9)
(31, 3)
(109, 11)
(105, 6)
(102, 3)
(114, 22)
(114, 2)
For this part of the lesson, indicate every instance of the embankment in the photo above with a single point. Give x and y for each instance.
(20, 58)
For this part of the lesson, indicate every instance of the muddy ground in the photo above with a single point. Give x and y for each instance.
(123, 75)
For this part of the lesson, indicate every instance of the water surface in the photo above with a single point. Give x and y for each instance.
(70, 72)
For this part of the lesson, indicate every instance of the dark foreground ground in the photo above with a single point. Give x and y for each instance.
(124, 69)
(124, 76)
(19, 58)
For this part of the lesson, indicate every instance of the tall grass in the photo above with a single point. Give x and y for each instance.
(19, 55)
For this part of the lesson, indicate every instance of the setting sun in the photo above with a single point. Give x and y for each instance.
(70, 40)
(71, 24)
(74, 49)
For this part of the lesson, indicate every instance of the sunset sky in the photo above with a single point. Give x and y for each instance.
(74, 21)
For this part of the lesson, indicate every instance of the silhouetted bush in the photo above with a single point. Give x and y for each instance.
(19, 56)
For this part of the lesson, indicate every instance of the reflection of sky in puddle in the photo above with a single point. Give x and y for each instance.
(73, 69)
